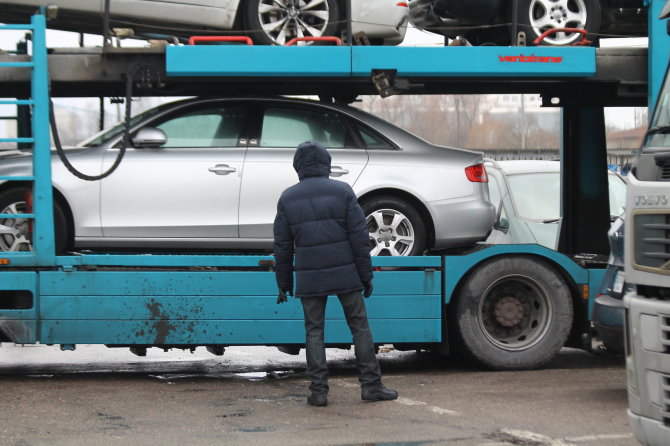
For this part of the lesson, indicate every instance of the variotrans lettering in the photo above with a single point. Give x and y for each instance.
(531, 59)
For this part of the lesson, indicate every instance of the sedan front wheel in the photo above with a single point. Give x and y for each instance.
(15, 232)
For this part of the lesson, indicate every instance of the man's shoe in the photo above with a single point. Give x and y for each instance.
(317, 400)
(380, 393)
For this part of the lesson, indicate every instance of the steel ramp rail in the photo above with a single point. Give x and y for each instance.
(42, 198)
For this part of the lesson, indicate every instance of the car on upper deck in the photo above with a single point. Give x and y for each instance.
(487, 22)
(206, 173)
(268, 22)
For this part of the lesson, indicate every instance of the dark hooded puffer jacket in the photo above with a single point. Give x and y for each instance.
(319, 220)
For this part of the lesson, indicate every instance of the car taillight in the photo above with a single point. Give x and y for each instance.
(29, 210)
(477, 173)
(29, 202)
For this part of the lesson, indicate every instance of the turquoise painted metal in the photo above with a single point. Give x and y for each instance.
(359, 61)
(43, 234)
(217, 307)
(659, 41)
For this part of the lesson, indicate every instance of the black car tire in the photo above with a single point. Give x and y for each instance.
(534, 8)
(254, 21)
(512, 313)
(15, 198)
(412, 225)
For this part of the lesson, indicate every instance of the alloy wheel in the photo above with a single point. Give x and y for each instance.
(282, 20)
(391, 233)
(548, 14)
(14, 231)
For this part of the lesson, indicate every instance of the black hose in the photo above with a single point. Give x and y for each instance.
(125, 142)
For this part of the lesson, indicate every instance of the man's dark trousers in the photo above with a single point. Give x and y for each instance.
(354, 311)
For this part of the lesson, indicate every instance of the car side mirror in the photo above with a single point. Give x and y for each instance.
(502, 225)
(149, 137)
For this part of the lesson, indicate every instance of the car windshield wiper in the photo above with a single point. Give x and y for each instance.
(551, 220)
(659, 129)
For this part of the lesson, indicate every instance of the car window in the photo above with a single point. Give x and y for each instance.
(117, 129)
(494, 195)
(371, 139)
(290, 126)
(494, 191)
(210, 127)
(617, 190)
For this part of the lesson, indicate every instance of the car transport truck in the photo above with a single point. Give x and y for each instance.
(507, 306)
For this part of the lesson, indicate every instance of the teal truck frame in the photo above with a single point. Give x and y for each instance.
(508, 306)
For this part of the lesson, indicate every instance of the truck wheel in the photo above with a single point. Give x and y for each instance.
(513, 313)
(275, 23)
(538, 16)
(15, 232)
(395, 227)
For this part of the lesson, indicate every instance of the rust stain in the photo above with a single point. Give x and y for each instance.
(162, 326)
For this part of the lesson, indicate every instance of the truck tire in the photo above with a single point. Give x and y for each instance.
(513, 313)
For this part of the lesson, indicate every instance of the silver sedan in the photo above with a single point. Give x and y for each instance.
(268, 22)
(207, 174)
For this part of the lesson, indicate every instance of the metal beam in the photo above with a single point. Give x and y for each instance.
(620, 79)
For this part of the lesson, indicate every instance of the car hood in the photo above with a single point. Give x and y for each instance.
(545, 234)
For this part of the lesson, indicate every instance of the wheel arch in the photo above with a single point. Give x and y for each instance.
(58, 197)
(411, 199)
(579, 305)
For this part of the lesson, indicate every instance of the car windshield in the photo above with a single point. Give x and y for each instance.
(537, 196)
(116, 131)
(658, 135)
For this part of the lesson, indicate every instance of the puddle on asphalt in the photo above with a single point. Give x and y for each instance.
(246, 376)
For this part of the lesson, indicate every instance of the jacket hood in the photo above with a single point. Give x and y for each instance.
(311, 160)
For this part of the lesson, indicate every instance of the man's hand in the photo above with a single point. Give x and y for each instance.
(282, 296)
(367, 289)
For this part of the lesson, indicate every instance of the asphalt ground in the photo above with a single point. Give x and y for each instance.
(256, 396)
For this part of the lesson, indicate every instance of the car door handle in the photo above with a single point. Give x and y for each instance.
(222, 169)
(337, 171)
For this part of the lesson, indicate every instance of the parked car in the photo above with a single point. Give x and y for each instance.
(486, 22)
(530, 195)
(207, 173)
(608, 311)
(268, 22)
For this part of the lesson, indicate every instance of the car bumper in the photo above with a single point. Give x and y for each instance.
(462, 223)
(390, 25)
(608, 321)
(649, 432)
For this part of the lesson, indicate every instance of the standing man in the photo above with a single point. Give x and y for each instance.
(320, 222)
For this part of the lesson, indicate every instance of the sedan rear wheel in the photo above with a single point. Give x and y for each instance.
(395, 227)
(538, 16)
(275, 22)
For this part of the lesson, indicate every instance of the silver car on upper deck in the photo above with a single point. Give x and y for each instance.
(268, 22)
(207, 174)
